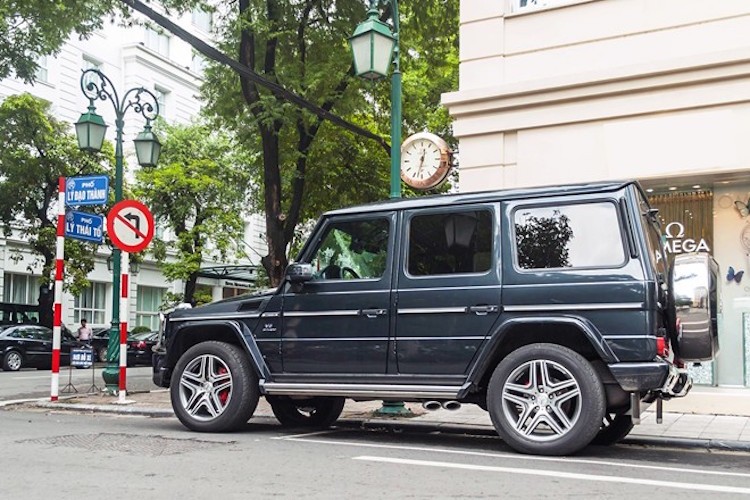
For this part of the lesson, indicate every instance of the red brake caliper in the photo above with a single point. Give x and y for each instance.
(224, 394)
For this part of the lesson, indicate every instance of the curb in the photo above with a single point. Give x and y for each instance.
(400, 425)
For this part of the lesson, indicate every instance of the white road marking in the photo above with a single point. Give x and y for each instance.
(296, 437)
(563, 475)
(533, 458)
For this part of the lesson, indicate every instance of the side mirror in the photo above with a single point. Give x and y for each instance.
(299, 273)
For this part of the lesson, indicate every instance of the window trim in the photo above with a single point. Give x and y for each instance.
(419, 212)
(514, 245)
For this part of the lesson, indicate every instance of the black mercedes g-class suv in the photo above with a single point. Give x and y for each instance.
(552, 308)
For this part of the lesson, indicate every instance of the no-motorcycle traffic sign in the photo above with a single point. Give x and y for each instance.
(130, 226)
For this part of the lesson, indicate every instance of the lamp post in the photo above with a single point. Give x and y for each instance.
(90, 130)
(375, 48)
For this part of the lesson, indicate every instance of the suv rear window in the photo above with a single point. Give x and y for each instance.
(450, 243)
(568, 236)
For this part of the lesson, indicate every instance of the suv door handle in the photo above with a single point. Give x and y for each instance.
(372, 313)
(482, 310)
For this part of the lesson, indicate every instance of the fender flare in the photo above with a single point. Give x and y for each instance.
(239, 329)
(496, 339)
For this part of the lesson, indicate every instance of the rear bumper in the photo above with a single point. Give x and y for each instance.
(654, 376)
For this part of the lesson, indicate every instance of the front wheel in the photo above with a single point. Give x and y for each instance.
(12, 361)
(214, 388)
(310, 412)
(546, 399)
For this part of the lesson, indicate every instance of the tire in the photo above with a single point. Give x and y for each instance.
(214, 388)
(546, 399)
(614, 429)
(12, 361)
(313, 412)
(102, 353)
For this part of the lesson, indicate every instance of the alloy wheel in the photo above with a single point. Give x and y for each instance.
(205, 387)
(542, 400)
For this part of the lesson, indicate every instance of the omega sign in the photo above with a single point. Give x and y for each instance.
(677, 243)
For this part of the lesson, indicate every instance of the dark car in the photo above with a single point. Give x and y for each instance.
(17, 314)
(552, 308)
(139, 348)
(99, 342)
(31, 346)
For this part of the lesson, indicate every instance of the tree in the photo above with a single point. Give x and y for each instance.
(37, 150)
(301, 45)
(31, 28)
(197, 191)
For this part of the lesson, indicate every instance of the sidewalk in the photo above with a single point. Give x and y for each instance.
(715, 418)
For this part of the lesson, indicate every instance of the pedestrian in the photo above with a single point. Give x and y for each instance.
(84, 332)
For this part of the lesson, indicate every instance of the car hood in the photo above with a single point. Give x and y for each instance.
(250, 302)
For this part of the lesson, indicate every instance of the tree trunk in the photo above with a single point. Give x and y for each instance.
(46, 303)
(190, 285)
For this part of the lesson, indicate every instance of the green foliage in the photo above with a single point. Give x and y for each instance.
(140, 329)
(543, 241)
(37, 150)
(30, 28)
(198, 192)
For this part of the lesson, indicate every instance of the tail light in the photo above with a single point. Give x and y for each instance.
(662, 347)
(138, 345)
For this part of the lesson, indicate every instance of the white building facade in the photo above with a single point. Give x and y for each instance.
(562, 91)
(130, 57)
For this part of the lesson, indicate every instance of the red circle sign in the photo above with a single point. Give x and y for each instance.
(130, 226)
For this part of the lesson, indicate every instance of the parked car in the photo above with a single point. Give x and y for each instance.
(31, 346)
(17, 314)
(552, 308)
(99, 342)
(140, 348)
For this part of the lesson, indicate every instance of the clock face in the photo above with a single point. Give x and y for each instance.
(425, 161)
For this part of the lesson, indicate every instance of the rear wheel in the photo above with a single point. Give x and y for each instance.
(12, 361)
(546, 399)
(311, 412)
(214, 388)
(102, 353)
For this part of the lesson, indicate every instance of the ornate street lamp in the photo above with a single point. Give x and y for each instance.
(375, 48)
(90, 130)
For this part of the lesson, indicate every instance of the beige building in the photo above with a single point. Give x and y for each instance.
(562, 91)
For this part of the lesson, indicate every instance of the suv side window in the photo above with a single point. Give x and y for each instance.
(352, 250)
(450, 243)
(585, 235)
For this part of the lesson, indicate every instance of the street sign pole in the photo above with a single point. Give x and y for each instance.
(59, 265)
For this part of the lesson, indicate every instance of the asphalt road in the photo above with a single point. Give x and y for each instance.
(64, 455)
(30, 383)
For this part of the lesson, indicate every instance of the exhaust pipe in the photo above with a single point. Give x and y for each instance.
(431, 405)
(451, 405)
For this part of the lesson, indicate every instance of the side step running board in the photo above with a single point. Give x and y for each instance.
(362, 390)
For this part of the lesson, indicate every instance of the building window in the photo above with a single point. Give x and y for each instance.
(148, 302)
(21, 289)
(568, 236)
(162, 96)
(450, 243)
(90, 304)
(198, 64)
(89, 63)
(41, 74)
(687, 220)
(202, 19)
(158, 42)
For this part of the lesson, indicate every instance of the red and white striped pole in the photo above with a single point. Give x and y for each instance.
(59, 265)
(124, 266)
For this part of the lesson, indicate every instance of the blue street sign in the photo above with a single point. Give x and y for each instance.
(86, 190)
(84, 226)
(83, 357)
